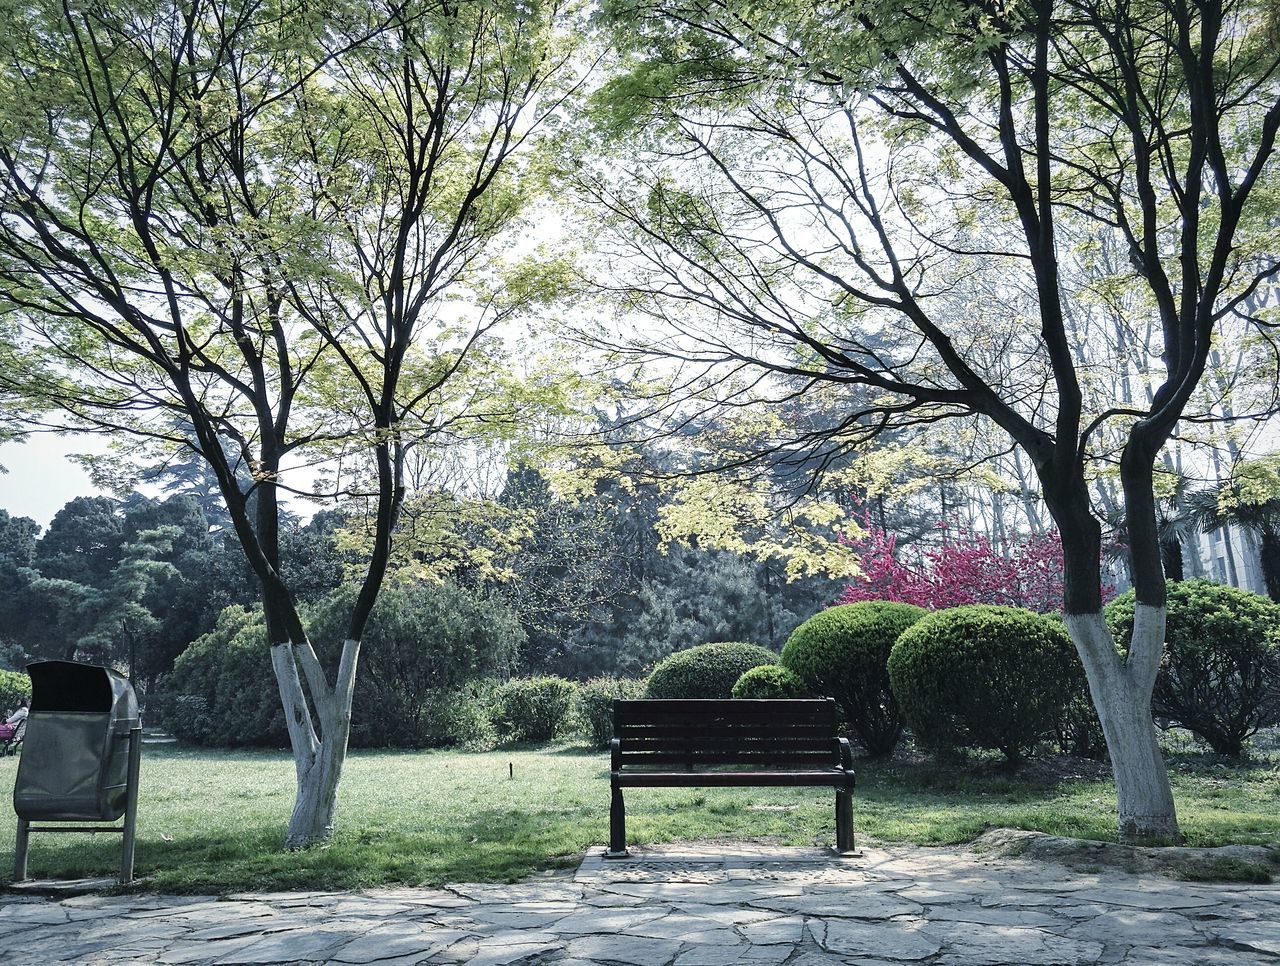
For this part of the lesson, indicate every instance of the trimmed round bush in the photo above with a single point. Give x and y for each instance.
(14, 685)
(983, 676)
(1220, 674)
(769, 681)
(706, 671)
(532, 709)
(595, 705)
(843, 653)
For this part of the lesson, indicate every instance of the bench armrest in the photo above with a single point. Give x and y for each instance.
(846, 754)
(615, 754)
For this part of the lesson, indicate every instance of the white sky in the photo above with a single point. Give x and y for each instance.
(40, 478)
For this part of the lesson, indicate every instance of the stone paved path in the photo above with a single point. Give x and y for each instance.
(723, 907)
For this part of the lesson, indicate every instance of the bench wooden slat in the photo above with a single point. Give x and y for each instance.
(813, 715)
(731, 779)
(762, 744)
(726, 728)
(758, 737)
(808, 715)
(654, 710)
(630, 749)
(704, 761)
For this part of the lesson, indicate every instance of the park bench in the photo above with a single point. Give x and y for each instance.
(701, 743)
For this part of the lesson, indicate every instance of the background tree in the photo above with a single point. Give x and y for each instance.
(1247, 501)
(878, 197)
(17, 552)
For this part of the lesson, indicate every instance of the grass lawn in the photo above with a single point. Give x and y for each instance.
(213, 820)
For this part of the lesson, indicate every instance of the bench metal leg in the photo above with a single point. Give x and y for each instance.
(131, 807)
(617, 827)
(844, 822)
(20, 850)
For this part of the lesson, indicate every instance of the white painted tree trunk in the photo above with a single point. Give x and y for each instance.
(318, 757)
(1121, 689)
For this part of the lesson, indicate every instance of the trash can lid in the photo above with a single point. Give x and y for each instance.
(72, 686)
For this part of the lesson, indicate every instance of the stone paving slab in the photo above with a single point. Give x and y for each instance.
(734, 905)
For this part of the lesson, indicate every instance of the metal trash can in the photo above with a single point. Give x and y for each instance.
(80, 758)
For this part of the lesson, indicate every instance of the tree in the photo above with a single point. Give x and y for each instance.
(273, 227)
(83, 541)
(879, 197)
(17, 552)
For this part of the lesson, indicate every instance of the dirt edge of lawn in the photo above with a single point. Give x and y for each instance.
(1258, 864)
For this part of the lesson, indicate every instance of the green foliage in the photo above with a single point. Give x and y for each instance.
(223, 690)
(14, 685)
(187, 717)
(533, 709)
(423, 644)
(425, 650)
(1220, 674)
(843, 653)
(982, 676)
(83, 541)
(595, 705)
(467, 723)
(706, 671)
(769, 681)
(662, 602)
(1079, 730)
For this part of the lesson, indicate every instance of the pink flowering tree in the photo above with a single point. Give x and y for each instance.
(964, 569)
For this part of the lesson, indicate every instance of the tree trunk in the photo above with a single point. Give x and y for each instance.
(1120, 685)
(1269, 557)
(1171, 557)
(1121, 693)
(316, 803)
(318, 758)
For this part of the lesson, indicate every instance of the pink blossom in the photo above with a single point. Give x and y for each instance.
(963, 569)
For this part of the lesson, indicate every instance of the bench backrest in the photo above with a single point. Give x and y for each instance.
(776, 733)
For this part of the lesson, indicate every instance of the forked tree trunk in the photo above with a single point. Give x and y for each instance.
(1120, 684)
(318, 758)
(1121, 692)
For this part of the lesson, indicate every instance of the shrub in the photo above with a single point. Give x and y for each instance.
(982, 676)
(1220, 674)
(769, 681)
(595, 705)
(467, 722)
(843, 653)
(459, 718)
(222, 689)
(423, 645)
(532, 709)
(706, 671)
(1079, 730)
(14, 685)
(188, 718)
